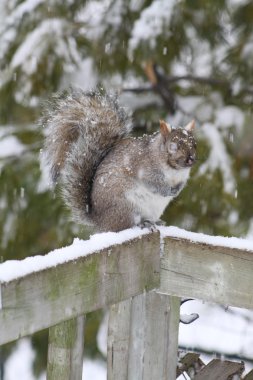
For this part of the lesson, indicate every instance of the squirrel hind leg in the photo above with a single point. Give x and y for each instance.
(113, 218)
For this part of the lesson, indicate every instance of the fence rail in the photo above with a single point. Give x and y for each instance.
(143, 324)
(43, 299)
(212, 273)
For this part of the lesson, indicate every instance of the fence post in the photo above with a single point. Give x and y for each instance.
(143, 338)
(118, 340)
(65, 350)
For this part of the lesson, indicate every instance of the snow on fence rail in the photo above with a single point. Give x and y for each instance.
(53, 294)
(141, 277)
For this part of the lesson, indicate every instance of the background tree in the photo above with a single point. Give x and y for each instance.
(176, 60)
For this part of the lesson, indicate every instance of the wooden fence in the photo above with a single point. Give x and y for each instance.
(141, 281)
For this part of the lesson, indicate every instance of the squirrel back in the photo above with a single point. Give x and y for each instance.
(81, 128)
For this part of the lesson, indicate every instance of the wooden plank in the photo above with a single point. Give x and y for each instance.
(215, 274)
(78, 287)
(249, 376)
(147, 347)
(137, 337)
(161, 345)
(189, 362)
(118, 340)
(220, 370)
(65, 350)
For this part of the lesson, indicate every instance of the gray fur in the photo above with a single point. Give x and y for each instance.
(107, 178)
(80, 130)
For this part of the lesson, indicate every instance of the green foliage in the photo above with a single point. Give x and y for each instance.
(92, 324)
(40, 344)
(28, 221)
(39, 43)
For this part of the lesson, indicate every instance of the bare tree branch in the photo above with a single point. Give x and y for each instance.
(161, 84)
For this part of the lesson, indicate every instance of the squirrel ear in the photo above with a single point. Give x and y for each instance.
(190, 126)
(165, 129)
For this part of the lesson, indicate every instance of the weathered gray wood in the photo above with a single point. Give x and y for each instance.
(137, 337)
(249, 376)
(78, 287)
(172, 321)
(190, 363)
(220, 370)
(65, 350)
(162, 319)
(118, 340)
(147, 347)
(215, 274)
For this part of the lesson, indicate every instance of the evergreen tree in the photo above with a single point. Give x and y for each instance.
(39, 43)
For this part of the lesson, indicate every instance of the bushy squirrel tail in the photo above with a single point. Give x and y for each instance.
(80, 130)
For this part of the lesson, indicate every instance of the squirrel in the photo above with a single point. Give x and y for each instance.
(107, 178)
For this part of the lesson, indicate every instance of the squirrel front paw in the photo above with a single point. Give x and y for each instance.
(152, 226)
(148, 224)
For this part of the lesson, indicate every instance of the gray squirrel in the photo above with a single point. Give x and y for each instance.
(108, 179)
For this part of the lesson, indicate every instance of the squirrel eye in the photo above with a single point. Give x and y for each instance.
(173, 147)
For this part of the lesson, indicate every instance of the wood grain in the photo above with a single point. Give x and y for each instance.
(65, 350)
(143, 338)
(46, 298)
(211, 273)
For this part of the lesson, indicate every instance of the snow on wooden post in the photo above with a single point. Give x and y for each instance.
(143, 338)
(58, 293)
(65, 350)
